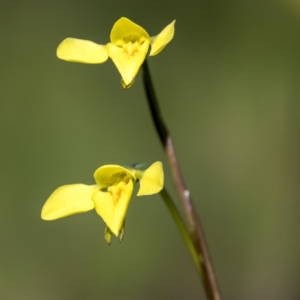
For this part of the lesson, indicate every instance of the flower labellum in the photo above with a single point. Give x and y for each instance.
(110, 196)
(128, 48)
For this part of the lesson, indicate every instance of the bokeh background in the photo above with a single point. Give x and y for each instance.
(229, 89)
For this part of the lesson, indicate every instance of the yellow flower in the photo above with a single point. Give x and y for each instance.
(110, 196)
(128, 48)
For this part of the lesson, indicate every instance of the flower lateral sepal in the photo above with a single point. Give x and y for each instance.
(122, 232)
(126, 87)
(107, 235)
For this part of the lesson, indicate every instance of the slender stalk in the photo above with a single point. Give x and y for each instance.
(181, 227)
(194, 225)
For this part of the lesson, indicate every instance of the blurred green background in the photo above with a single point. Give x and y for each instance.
(229, 89)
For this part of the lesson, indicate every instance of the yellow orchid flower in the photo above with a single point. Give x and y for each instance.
(110, 196)
(128, 47)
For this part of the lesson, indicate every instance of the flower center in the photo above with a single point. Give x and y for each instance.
(118, 189)
(134, 38)
(131, 44)
(116, 192)
(131, 48)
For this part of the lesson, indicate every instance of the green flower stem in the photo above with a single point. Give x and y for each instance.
(208, 276)
(181, 227)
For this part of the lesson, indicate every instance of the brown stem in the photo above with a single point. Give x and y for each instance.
(195, 228)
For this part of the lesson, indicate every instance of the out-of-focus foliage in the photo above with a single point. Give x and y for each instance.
(229, 89)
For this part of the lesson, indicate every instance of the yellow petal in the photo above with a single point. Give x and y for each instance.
(82, 51)
(152, 180)
(112, 205)
(160, 41)
(108, 175)
(125, 30)
(68, 200)
(128, 59)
